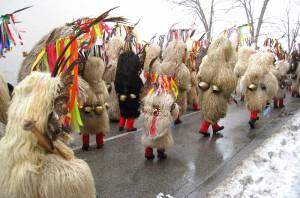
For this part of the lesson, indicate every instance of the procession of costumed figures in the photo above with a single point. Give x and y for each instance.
(91, 72)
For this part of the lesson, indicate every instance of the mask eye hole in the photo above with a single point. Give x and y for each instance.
(252, 87)
(263, 86)
(203, 85)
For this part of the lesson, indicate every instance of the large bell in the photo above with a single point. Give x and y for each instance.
(252, 87)
(98, 110)
(123, 97)
(203, 85)
(88, 109)
(216, 89)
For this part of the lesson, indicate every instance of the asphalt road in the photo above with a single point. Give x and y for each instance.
(195, 165)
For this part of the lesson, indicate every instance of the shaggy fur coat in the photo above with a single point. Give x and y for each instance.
(258, 83)
(173, 65)
(113, 51)
(216, 80)
(97, 97)
(27, 169)
(4, 100)
(168, 112)
(280, 70)
(128, 84)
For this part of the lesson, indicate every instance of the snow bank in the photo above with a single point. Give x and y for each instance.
(273, 170)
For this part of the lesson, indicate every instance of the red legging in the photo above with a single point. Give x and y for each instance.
(129, 122)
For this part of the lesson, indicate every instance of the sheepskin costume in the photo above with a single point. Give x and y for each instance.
(30, 165)
(158, 114)
(241, 65)
(113, 51)
(4, 100)
(280, 70)
(216, 84)
(152, 61)
(128, 86)
(192, 95)
(259, 84)
(295, 73)
(51, 37)
(173, 65)
(94, 111)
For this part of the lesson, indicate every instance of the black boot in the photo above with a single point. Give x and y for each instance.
(252, 123)
(205, 134)
(177, 121)
(161, 154)
(219, 129)
(85, 147)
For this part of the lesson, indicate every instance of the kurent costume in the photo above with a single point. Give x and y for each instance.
(241, 65)
(295, 73)
(113, 50)
(280, 70)
(174, 57)
(34, 160)
(158, 113)
(94, 111)
(192, 95)
(4, 100)
(258, 84)
(216, 84)
(152, 61)
(128, 86)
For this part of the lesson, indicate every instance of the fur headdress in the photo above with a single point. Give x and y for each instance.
(244, 54)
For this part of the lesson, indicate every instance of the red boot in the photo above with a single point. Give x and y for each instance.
(129, 125)
(275, 103)
(204, 128)
(121, 123)
(99, 140)
(149, 153)
(281, 103)
(216, 128)
(253, 118)
(85, 141)
(195, 107)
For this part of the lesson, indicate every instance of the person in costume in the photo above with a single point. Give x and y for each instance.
(159, 111)
(241, 65)
(4, 99)
(34, 160)
(173, 65)
(280, 70)
(192, 95)
(128, 86)
(94, 111)
(259, 85)
(295, 73)
(113, 51)
(216, 84)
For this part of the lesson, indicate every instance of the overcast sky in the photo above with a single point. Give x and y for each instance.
(156, 17)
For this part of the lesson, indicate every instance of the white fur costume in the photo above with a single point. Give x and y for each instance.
(27, 171)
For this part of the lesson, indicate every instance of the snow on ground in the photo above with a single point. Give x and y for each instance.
(273, 170)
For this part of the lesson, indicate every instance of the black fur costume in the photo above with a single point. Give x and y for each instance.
(128, 84)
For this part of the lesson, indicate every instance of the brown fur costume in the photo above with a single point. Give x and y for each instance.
(217, 70)
(152, 57)
(216, 82)
(264, 83)
(280, 70)
(32, 55)
(173, 65)
(4, 100)
(113, 51)
(29, 169)
(96, 96)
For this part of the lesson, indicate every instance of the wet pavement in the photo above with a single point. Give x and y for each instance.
(195, 165)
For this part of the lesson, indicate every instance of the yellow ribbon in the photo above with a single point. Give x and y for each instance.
(38, 59)
(174, 88)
